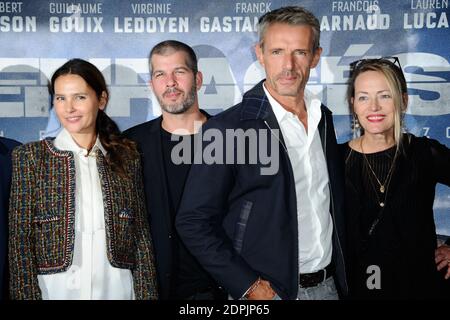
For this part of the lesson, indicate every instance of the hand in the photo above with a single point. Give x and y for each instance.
(442, 259)
(263, 291)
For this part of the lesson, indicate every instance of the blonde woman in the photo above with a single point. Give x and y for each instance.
(390, 184)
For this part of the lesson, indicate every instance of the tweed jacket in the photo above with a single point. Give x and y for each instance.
(42, 218)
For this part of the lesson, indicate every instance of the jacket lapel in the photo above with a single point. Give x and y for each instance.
(154, 167)
(255, 105)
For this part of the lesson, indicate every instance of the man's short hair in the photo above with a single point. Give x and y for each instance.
(170, 46)
(292, 15)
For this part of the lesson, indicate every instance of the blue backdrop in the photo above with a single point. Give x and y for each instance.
(37, 36)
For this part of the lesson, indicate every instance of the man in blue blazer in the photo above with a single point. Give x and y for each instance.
(6, 146)
(263, 212)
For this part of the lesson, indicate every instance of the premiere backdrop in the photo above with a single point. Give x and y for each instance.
(37, 36)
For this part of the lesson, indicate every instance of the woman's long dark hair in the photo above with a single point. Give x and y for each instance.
(118, 148)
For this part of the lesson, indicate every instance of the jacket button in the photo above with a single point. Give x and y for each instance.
(170, 236)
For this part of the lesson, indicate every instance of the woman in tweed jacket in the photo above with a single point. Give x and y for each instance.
(77, 215)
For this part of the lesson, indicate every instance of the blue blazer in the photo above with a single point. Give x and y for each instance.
(6, 146)
(241, 224)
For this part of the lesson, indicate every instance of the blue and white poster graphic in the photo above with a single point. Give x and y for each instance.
(37, 36)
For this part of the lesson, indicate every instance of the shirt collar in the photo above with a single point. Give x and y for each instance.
(312, 105)
(64, 141)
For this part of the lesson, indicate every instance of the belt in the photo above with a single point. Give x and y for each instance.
(313, 279)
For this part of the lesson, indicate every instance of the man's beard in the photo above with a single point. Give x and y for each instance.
(182, 107)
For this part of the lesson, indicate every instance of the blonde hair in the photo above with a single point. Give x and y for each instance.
(396, 83)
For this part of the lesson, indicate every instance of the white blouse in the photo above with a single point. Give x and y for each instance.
(91, 276)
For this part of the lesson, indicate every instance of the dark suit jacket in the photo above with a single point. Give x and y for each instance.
(6, 146)
(241, 224)
(148, 137)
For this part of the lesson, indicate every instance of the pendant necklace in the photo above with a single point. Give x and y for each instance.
(382, 186)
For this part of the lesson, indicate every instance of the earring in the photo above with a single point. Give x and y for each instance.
(356, 126)
(355, 123)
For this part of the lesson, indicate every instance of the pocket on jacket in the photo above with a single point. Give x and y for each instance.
(241, 225)
(49, 240)
(46, 219)
(46, 216)
(124, 236)
(126, 214)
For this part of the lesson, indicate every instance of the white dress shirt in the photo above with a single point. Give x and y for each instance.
(315, 227)
(91, 276)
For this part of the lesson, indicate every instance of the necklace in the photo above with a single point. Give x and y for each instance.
(382, 186)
